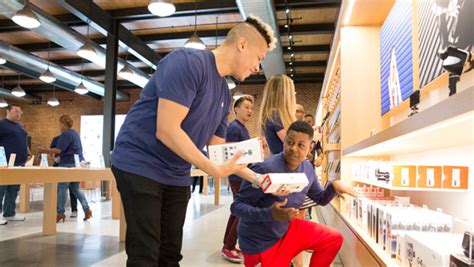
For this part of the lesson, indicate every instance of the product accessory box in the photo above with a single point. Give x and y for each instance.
(252, 149)
(293, 182)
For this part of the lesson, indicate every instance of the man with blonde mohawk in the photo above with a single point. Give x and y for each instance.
(183, 108)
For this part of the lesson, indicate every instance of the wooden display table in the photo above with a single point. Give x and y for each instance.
(205, 189)
(50, 177)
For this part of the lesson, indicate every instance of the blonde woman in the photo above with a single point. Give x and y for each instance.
(277, 111)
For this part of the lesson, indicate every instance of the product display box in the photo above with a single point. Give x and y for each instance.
(429, 177)
(3, 157)
(252, 149)
(429, 249)
(455, 177)
(404, 176)
(294, 182)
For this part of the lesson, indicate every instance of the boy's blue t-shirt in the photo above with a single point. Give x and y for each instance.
(236, 132)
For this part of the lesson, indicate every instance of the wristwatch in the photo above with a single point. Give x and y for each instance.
(256, 180)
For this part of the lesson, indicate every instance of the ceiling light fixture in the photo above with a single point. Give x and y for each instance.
(48, 76)
(87, 51)
(2, 60)
(53, 101)
(81, 88)
(18, 91)
(26, 18)
(194, 41)
(161, 8)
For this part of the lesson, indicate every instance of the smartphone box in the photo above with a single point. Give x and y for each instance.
(252, 149)
(404, 176)
(3, 157)
(29, 163)
(294, 182)
(429, 177)
(11, 161)
(455, 177)
(44, 160)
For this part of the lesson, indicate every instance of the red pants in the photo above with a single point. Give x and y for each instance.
(230, 236)
(301, 235)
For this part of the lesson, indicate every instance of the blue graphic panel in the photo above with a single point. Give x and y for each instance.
(396, 54)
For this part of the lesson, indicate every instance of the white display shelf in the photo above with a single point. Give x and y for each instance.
(449, 123)
(368, 242)
(392, 188)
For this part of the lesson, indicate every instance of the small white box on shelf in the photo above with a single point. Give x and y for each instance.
(11, 161)
(294, 182)
(252, 149)
(44, 160)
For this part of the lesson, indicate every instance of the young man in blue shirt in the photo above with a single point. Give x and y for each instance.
(236, 132)
(183, 108)
(14, 138)
(269, 232)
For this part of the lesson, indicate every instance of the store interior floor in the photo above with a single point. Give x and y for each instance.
(95, 243)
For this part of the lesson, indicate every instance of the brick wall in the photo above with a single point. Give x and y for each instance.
(42, 121)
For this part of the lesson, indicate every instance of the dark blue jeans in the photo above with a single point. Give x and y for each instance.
(10, 192)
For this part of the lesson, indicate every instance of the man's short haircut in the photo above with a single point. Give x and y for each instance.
(9, 107)
(264, 29)
(309, 115)
(241, 100)
(301, 127)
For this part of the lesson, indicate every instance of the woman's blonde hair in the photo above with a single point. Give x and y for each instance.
(278, 97)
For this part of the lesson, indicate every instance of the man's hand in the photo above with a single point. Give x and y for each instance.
(230, 167)
(342, 188)
(283, 214)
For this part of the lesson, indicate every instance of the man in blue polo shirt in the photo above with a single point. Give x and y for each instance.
(183, 108)
(14, 138)
(268, 231)
(236, 132)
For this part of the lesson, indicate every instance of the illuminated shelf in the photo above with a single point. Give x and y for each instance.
(449, 123)
(370, 243)
(392, 188)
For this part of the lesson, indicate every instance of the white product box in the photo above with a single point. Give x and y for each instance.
(294, 182)
(77, 162)
(3, 157)
(430, 249)
(29, 163)
(11, 161)
(402, 200)
(252, 149)
(44, 160)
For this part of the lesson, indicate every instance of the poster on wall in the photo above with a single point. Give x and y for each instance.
(442, 23)
(91, 136)
(396, 54)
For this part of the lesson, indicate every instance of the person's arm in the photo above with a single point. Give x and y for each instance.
(317, 193)
(169, 132)
(282, 134)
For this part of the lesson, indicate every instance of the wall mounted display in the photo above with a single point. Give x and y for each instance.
(396, 56)
(442, 23)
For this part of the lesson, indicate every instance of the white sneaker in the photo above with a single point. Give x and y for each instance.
(3, 222)
(14, 218)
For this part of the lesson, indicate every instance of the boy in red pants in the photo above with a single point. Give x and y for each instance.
(268, 231)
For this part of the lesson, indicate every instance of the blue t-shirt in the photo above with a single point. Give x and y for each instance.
(236, 132)
(14, 138)
(190, 78)
(257, 230)
(271, 129)
(69, 142)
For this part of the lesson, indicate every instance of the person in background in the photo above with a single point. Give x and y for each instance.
(299, 112)
(72, 197)
(269, 232)
(69, 144)
(183, 108)
(14, 139)
(277, 110)
(236, 132)
(309, 119)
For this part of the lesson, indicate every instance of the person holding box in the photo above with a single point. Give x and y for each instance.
(183, 108)
(269, 232)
